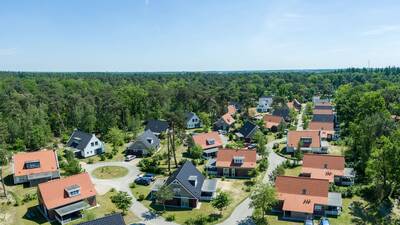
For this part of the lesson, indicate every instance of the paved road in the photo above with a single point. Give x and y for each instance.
(242, 213)
(122, 184)
(300, 118)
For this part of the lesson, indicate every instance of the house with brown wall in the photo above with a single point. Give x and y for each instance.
(235, 163)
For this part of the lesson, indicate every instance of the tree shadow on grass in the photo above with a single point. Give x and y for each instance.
(367, 214)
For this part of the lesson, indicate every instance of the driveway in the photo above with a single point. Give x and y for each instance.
(242, 213)
(122, 184)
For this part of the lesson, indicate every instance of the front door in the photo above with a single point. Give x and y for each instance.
(233, 172)
(184, 202)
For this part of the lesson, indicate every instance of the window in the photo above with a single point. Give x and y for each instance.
(32, 164)
(92, 144)
(210, 141)
(304, 191)
(96, 143)
(325, 166)
(318, 208)
(73, 190)
(238, 159)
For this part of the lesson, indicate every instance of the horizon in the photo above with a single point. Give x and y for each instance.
(190, 36)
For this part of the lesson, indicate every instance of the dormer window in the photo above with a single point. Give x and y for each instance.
(193, 180)
(304, 191)
(32, 164)
(238, 159)
(150, 141)
(73, 190)
(325, 166)
(305, 141)
(210, 141)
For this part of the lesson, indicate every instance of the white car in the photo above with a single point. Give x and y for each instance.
(130, 157)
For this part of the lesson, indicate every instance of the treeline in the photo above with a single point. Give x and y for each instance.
(373, 134)
(35, 107)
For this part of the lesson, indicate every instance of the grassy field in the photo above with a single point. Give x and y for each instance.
(109, 172)
(235, 187)
(293, 171)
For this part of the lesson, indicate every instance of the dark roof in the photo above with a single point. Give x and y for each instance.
(143, 138)
(189, 116)
(183, 173)
(323, 107)
(157, 126)
(323, 118)
(248, 129)
(114, 219)
(282, 112)
(79, 140)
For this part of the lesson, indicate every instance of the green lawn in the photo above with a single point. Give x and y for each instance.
(110, 172)
(235, 187)
(26, 213)
(295, 171)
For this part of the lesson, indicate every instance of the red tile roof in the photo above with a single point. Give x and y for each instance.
(53, 192)
(201, 140)
(314, 125)
(322, 112)
(300, 194)
(270, 121)
(294, 137)
(225, 158)
(323, 166)
(228, 119)
(47, 158)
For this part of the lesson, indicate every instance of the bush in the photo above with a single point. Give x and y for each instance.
(200, 220)
(112, 190)
(141, 197)
(170, 218)
(132, 185)
(29, 197)
(90, 161)
(102, 157)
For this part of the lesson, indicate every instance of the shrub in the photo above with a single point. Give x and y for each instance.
(90, 161)
(132, 185)
(170, 218)
(112, 190)
(29, 197)
(141, 197)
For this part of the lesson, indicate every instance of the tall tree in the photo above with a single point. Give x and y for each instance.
(221, 201)
(263, 198)
(164, 194)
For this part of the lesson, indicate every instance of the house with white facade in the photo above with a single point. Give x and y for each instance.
(192, 120)
(84, 144)
(264, 104)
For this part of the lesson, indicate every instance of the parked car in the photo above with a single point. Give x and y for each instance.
(324, 221)
(252, 146)
(129, 158)
(222, 132)
(149, 176)
(143, 181)
(308, 222)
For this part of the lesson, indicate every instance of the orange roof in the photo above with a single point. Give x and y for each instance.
(299, 194)
(323, 166)
(53, 192)
(322, 112)
(270, 121)
(323, 104)
(204, 140)
(225, 158)
(231, 109)
(47, 159)
(293, 138)
(228, 119)
(314, 125)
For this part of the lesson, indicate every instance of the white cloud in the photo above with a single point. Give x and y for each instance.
(7, 51)
(384, 29)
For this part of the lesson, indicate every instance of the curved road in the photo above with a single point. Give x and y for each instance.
(122, 184)
(241, 215)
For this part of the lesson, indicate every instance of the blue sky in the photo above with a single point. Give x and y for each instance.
(177, 35)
